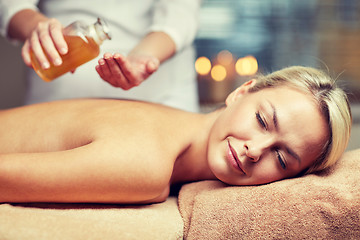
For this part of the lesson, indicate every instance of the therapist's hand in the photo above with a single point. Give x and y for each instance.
(45, 40)
(126, 72)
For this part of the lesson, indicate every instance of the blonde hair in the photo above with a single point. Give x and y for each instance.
(332, 101)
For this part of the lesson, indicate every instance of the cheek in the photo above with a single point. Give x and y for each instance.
(266, 172)
(216, 153)
(235, 118)
(240, 125)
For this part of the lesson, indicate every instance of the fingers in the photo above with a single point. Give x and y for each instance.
(152, 65)
(56, 32)
(25, 53)
(127, 70)
(46, 41)
(104, 72)
(38, 51)
(110, 71)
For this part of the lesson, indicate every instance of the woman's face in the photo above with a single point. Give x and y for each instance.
(265, 136)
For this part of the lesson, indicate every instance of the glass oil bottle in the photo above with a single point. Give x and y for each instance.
(83, 45)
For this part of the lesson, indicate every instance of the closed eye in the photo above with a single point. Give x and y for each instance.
(261, 121)
(280, 159)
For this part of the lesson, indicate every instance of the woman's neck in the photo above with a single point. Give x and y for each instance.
(192, 164)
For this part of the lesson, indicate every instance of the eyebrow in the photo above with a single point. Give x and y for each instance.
(276, 124)
(292, 153)
(274, 118)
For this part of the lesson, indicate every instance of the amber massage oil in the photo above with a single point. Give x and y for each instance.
(83, 45)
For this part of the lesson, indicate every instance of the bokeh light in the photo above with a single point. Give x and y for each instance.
(246, 66)
(225, 57)
(218, 73)
(202, 65)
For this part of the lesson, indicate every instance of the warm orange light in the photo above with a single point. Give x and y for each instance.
(218, 73)
(202, 65)
(225, 57)
(246, 66)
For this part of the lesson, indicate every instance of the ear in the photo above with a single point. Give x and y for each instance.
(244, 88)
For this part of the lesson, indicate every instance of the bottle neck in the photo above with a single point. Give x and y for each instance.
(99, 31)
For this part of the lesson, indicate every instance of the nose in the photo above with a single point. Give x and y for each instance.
(255, 148)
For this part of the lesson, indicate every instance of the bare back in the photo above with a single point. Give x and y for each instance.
(102, 145)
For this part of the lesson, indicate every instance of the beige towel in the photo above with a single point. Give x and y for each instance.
(84, 221)
(322, 206)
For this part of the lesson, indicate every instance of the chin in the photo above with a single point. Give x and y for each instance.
(225, 178)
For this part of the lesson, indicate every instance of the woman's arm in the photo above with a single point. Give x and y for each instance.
(92, 173)
(8, 8)
(179, 19)
(174, 26)
(23, 23)
(156, 44)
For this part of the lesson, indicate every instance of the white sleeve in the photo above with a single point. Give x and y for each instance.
(8, 8)
(177, 18)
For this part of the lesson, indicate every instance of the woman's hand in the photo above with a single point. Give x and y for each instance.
(126, 72)
(47, 42)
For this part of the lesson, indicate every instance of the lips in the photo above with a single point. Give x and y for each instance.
(233, 158)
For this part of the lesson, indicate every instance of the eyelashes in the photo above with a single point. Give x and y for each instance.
(281, 160)
(261, 120)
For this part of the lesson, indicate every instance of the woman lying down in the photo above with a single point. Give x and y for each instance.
(278, 126)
